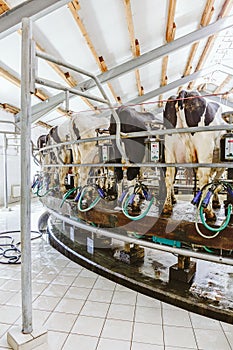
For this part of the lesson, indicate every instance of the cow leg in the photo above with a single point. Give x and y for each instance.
(66, 159)
(215, 201)
(203, 175)
(169, 180)
(76, 160)
(63, 173)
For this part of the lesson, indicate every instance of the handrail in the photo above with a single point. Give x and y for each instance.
(153, 133)
(154, 165)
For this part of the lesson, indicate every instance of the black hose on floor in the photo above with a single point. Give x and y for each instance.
(10, 252)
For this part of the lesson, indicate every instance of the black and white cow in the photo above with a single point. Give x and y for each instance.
(131, 121)
(190, 109)
(78, 127)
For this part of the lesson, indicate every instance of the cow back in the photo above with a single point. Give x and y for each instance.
(131, 121)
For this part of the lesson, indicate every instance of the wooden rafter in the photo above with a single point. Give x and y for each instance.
(205, 20)
(64, 75)
(226, 8)
(224, 83)
(207, 13)
(134, 43)
(10, 77)
(170, 35)
(9, 108)
(74, 7)
(43, 125)
(3, 7)
(16, 81)
(210, 42)
(41, 95)
(171, 26)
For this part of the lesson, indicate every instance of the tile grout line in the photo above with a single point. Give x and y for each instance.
(193, 329)
(105, 318)
(225, 336)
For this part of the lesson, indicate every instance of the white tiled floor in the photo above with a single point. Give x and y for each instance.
(82, 310)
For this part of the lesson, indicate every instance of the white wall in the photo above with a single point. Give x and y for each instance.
(13, 158)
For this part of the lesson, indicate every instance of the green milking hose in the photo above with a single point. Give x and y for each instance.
(92, 205)
(134, 218)
(68, 193)
(224, 224)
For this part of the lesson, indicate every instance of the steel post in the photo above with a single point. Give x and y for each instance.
(5, 173)
(26, 282)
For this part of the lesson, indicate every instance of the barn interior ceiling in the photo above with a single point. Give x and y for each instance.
(141, 51)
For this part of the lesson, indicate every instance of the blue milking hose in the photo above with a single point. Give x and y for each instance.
(216, 230)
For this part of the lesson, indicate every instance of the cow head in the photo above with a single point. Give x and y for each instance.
(194, 106)
(169, 113)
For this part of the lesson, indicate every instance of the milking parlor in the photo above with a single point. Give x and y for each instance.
(116, 152)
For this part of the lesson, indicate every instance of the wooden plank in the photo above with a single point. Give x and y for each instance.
(170, 35)
(3, 7)
(9, 108)
(74, 7)
(10, 77)
(171, 26)
(224, 83)
(205, 20)
(43, 125)
(134, 43)
(227, 6)
(169, 228)
(183, 231)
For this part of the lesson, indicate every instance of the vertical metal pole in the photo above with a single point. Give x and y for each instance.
(5, 172)
(26, 281)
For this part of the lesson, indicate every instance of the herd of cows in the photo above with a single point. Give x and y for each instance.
(188, 109)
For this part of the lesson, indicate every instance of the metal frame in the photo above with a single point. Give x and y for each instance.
(25, 216)
(11, 20)
(97, 83)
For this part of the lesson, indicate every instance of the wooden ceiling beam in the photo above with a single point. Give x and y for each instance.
(74, 7)
(170, 35)
(226, 8)
(4, 7)
(171, 26)
(224, 83)
(9, 108)
(210, 41)
(205, 20)
(16, 81)
(207, 13)
(134, 43)
(43, 124)
(10, 77)
(66, 76)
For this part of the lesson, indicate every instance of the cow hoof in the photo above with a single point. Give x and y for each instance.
(174, 201)
(167, 211)
(216, 205)
(210, 217)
